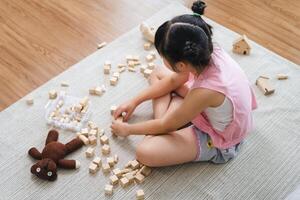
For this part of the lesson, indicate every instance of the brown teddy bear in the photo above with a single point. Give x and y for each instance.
(53, 155)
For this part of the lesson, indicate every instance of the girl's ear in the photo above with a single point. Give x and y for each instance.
(181, 66)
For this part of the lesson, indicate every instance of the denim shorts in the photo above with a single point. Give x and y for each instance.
(207, 152)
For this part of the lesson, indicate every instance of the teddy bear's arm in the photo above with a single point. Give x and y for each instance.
(33, 152)
(68, 164)
(52, 136)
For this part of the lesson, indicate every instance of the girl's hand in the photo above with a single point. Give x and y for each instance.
(127, 107)
(120, 128)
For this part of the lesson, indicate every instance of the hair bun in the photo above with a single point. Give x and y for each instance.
(199, 7)
(190, 49)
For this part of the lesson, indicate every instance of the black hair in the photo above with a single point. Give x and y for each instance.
(186, 38)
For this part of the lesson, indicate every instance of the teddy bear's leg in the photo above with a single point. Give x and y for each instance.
(73, 145)
(68, 164)
(33, 152)
(52, 136)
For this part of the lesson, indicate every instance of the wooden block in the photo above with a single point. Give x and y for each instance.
(152, 53)
(134, 164)
(108, 189)
(128, 164)
(116, 158)
(78, 108)
(84, 139)
(140, 195)
(131, 69)
(130, 177)
(85, 131)
(101, 132)
(113, 109)
(114, 180)
(147, 46)
(105, 167)
(129, 58)
(64, 84)
(92, 140)
(121, 65)
(151, 65)
(52, 94)
(124, 182)
(111, 161)
(125, 171)
(135, 58)
(104, 139)
(147, 73)
(93, 132)
(84, 101)
(117, 172)
(264, 85)
(121, 70)
(92, 91)
(105, 149)
(131, 63)
(107, 63)
(282, 76)
(97, 161)
(113, 81)
(106, 69)
(146, 171)
(98, 91)
(29, 101)
(93, 168)
(149, 58)
(90, 152)
(101, 45)
(116, 75)
(139, 178)
(143, 68)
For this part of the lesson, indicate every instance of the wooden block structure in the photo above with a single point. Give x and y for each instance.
(93, 168)
(108, 189)
(140, 195)
(90, 152)
(29, 101)
(263, 84)
(105, 149)
(104, 140)
(52, 94)
(282, 76)
(241, 46)
(114, 180)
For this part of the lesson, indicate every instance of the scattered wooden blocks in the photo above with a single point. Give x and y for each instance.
(97, 161)
(92, 140)
(113, 81)
(84, 139)
(117, 172)
(29, 101)
(93, 168)
(106, 69)
(104, 139)
(140, 195)
(264, 85)
(111, 161)
(105, 168)
(114, 180)
(124, 182)
(52, 94)
(113, 109)
(108, 189)
(139, 178)
(90, 152)
(134, 164)
(105, 149)
(64, 84)
(147, 46)
(282, 76)
(147, 73)
(130, 177)
(146, 171)
(101, 45)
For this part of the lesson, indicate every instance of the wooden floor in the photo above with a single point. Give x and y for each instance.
(40, 39)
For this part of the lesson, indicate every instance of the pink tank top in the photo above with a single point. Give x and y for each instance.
(225, 76)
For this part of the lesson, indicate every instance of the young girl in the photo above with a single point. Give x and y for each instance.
(204, 86)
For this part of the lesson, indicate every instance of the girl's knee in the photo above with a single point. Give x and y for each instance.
(144, 154)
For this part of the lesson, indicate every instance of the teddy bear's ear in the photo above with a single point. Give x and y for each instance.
(33, 168)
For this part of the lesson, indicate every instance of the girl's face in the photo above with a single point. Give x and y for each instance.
(182, 67)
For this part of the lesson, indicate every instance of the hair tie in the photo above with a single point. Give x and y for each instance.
(196, 14)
